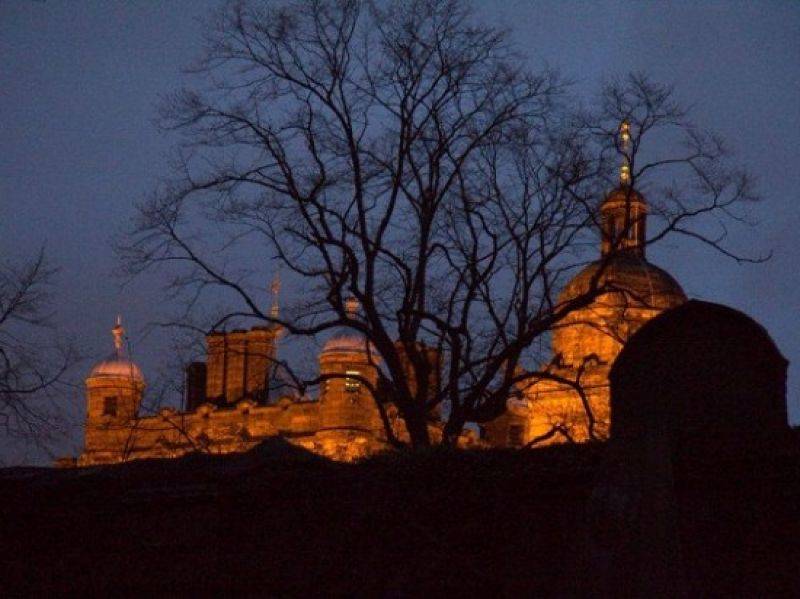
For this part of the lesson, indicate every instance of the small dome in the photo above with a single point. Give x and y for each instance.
(632, 276)
(346, 341)
(115, 366)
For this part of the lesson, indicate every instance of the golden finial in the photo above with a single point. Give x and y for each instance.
(275, 288)
(624, 139)
(624, 134)
(118, 333)
(625, 174)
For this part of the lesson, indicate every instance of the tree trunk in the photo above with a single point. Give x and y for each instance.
(417, 427)
(452, 430)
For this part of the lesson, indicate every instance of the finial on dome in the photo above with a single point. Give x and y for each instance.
(351, 306)
(624, 175)
(624, 134)
(275, 288)
(118, 332)
(624, 139)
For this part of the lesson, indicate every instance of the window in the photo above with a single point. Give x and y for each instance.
(515, 435)
(352, 385)
(109, 406)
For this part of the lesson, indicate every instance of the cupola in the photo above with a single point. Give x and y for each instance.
(114, 389)
(117, 365)
(623, 213)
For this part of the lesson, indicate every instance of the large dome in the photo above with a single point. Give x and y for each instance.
(118, 367)
(633, 281)
(638, 292)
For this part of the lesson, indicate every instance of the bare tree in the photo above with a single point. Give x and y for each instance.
(399, 153)
(33, 360)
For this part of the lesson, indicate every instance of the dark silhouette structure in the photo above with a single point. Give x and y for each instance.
(705, 375)
(692, 495)
(650, 514)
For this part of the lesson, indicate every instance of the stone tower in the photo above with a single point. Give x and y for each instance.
(114, 391)
(240, 362)
(348, 416)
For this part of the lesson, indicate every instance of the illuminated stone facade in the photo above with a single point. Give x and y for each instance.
(229, 408)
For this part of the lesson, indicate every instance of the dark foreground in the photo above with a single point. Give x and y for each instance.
(281, 522)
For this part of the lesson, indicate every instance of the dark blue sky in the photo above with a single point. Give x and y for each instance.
(79, 83)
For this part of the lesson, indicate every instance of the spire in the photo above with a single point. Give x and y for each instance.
(624, 140)
(118, 332)
(624, 210)
(275, 289)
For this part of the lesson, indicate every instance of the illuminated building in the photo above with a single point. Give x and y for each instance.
(586, 342)
(229, 409)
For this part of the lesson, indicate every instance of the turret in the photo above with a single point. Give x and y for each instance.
(350, 362)
(623, 217)
(114, 390)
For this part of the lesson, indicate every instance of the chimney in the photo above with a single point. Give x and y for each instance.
(195, 386)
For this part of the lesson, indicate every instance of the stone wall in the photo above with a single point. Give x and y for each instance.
(215, 430)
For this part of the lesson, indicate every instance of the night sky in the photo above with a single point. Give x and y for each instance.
(80, 83)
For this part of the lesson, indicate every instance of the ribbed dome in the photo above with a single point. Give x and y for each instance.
(115, 366)
(639, 292)
(634, 280)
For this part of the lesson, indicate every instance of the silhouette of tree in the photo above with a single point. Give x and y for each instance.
(402, 154)
(33, 361)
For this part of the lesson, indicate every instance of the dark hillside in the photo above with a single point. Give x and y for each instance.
(279, 521)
